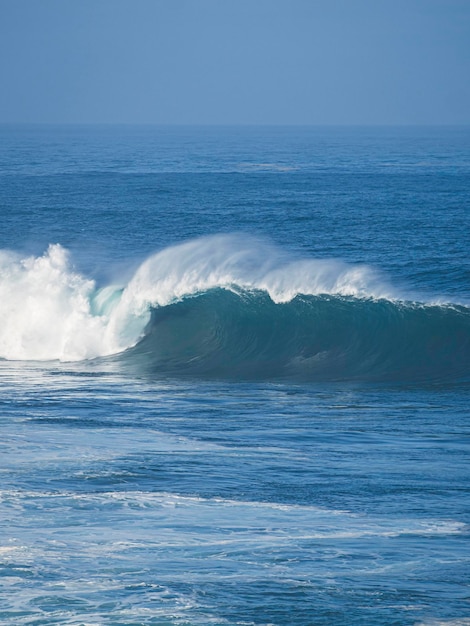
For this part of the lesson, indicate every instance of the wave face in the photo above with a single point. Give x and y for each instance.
(309, 338)
(231, 306)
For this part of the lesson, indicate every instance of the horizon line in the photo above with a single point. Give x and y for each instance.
(244, 124)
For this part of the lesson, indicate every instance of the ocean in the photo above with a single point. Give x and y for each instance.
(234, 376)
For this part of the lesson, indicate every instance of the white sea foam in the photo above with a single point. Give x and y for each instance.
(45, 310)
(48, 311)
(264, 521)
(463, 621)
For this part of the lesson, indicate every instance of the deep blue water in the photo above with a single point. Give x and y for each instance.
(234, 376)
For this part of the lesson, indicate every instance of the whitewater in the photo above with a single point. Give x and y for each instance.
(234, 376)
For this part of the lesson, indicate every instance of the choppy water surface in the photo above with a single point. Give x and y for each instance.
(202, 427)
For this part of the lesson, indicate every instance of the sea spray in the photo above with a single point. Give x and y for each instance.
(235, 261)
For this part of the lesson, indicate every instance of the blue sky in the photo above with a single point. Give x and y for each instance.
(235, 61)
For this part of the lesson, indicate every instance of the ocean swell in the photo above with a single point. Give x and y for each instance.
(323, 337)
(231, 306)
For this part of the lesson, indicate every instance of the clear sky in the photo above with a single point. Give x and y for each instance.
(235, 61)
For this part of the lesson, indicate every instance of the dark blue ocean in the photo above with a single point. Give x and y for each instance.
(234, 376)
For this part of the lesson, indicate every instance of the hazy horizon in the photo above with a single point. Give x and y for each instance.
(244, 63)
(234, 125)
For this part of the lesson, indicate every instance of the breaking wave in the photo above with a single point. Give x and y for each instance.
(231, 306)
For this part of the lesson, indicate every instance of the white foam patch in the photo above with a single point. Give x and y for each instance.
(7, 549)
(264, 522)
(463, 621)
(45, 310)
(140, 538)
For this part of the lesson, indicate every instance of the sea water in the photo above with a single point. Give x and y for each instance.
(234, 376)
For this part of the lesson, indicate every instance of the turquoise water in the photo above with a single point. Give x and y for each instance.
(234, 376)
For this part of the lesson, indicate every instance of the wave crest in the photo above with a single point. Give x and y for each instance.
(259, 313)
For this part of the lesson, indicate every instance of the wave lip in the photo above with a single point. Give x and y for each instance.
(240, 262)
